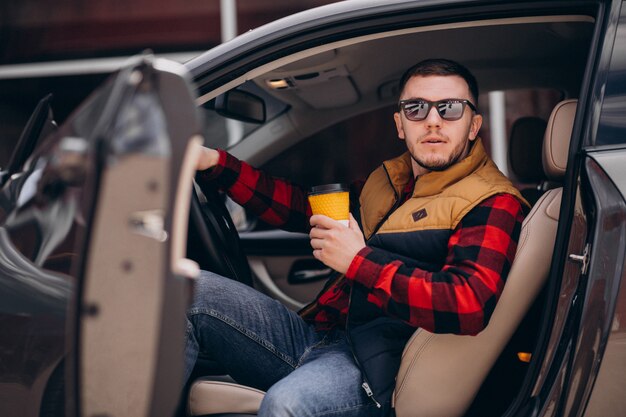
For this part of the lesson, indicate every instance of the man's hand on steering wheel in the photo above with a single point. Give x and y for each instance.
(212, 240)
(208, 158)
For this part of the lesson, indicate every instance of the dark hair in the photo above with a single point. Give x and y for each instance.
(441, 67)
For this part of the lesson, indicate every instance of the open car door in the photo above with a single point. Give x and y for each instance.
(93, 228)
(136, 137)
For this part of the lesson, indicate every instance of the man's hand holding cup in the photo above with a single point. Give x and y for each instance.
(335, 234)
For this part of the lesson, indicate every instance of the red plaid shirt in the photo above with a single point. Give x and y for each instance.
(459, 298)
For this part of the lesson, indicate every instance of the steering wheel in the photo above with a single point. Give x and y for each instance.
(212, 239)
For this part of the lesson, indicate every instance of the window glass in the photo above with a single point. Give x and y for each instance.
(519, 103)
(612, 126)
(221, 132)
(344, 152)
(350, 150)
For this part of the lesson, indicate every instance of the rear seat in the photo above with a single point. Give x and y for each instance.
(525, 146)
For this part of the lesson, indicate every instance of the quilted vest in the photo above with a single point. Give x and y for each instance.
(416, 232)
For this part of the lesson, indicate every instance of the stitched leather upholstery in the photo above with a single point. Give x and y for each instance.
(217, 397)
(440, 374)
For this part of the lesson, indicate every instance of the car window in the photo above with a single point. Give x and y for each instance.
(613, 114)
(221, 132)
(351, 149)
(344, 152)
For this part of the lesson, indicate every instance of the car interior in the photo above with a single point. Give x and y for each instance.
(325, 114)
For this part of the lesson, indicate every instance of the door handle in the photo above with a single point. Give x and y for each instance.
(306, 271)
(311, 274)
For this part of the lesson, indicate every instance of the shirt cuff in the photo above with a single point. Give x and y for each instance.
(225, 174)
(362, 270)
(215, 171)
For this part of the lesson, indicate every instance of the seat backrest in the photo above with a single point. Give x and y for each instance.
(440, 374)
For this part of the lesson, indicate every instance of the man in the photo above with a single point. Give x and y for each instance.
(436, 236)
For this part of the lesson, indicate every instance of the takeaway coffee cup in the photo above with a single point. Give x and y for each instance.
(331, 200)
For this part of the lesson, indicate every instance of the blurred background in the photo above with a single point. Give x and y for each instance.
(68, 47)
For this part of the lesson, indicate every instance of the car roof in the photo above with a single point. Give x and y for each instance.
(356, 17)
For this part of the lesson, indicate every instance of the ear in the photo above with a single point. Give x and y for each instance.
(399, 127)
(475, 124)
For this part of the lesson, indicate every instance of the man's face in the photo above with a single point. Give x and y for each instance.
(434, 143)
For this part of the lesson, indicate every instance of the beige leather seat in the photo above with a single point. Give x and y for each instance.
(209, 397)
(440, 374)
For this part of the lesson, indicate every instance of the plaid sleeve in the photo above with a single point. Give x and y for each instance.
(274, 200)
(461, 297)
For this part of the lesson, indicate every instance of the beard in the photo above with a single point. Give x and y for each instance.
(441, 163)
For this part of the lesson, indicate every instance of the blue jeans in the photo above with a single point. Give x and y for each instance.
(263, 344)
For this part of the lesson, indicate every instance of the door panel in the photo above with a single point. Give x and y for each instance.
(275, 256)
(602, 333)
(588, 297)
(125, 266)
(271, 276)
(133, 288)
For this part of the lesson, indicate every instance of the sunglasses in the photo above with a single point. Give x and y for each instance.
(417, 109)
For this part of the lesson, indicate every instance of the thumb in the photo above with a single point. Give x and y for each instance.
(208, 158)
(353, 223)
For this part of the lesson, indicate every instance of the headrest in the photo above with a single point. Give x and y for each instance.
(557, 139)
(525, 149)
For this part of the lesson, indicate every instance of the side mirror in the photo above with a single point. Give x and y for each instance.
(241, 105)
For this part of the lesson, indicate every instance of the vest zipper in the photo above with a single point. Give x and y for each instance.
(365, 385)
(370, 394)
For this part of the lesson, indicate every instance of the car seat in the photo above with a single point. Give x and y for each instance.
(440, 374)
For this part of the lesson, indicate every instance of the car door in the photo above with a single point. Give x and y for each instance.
(94, 223)
(92, 236)
(584, 361)
(598, 365)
